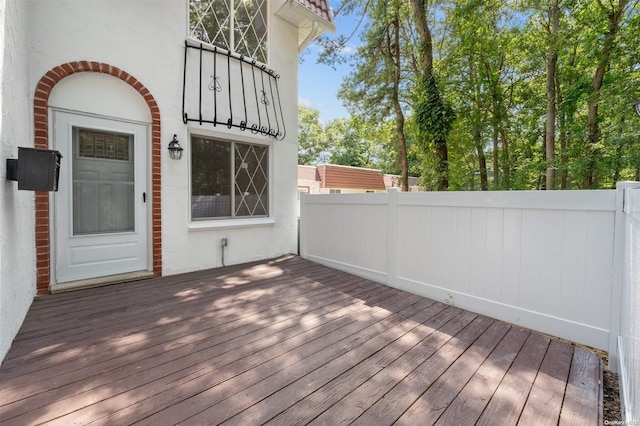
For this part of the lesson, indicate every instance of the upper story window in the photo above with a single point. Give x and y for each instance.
(236, 25)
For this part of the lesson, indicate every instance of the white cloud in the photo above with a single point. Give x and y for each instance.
(347, 50)
(305, 102)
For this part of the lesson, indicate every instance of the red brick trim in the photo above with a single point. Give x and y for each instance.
(41, 140)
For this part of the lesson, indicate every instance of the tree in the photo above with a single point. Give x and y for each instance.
(344, 141)
(432, 113)
(479, 80)
(552, 61)
(614, 12)
(542, 92)
(312, 144)
(373, 89)
(348, 144)
(393, 57)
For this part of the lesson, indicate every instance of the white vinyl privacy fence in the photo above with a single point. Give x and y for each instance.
(565, 263)
(629, 334)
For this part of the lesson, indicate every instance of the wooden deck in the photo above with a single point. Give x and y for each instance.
(285, 342)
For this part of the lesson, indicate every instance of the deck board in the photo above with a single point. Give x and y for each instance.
(432, 403)
(391, 406)
(284, 341)
(508, 401)
(549, 387)
(339, 387)
(586, 373)
(469, 404)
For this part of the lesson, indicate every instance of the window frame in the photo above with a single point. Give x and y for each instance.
(232, 221)
(232, 35)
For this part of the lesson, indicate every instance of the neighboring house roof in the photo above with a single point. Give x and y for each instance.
(308, 173)
(394, 180)
(333, 176)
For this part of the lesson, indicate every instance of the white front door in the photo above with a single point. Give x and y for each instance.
(100, 209)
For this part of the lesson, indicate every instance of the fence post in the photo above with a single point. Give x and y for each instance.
(392, 237)
(302, 224)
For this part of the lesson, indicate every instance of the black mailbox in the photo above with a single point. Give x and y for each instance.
(35, 169)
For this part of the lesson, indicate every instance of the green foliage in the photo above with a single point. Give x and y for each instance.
(490, 63)
(348, 145)
(312, 143)
(347, 142)
(433, 115)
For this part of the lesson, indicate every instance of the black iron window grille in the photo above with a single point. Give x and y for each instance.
(222, 88)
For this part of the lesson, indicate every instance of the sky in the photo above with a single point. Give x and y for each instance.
(318, 84)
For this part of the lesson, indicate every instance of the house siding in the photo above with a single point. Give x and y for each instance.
(344, 177)
(148, 55)
(17, 225)
(61, 55)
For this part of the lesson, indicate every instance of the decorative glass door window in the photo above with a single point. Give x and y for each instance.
(228, 179)
(236, 25)
(103, 182)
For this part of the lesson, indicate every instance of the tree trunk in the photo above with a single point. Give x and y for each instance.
(482, 160)
(563, 138)
(564, 146)
(614, 17)
(506, 162)
(496, 156)
(565, 119)
(426, 59)
(616, 174)
(552, 61)
(394, 51)
(432, 91)
(443, 164)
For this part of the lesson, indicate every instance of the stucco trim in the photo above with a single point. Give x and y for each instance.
(41, 134)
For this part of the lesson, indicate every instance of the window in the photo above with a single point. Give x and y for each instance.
(103, 182)
(95, 144)
(236, 25)
(228, 179)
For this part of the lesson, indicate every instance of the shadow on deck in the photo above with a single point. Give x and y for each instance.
(285, 341)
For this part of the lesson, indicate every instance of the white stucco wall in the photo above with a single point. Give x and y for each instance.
(17, 237)
(146, 39)
(100, 94)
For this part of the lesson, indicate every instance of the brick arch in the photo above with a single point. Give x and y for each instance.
(41, 125)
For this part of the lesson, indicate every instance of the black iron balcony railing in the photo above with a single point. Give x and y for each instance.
(222, 88)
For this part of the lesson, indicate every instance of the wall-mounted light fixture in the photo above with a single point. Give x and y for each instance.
(175, 150)
(637, 105)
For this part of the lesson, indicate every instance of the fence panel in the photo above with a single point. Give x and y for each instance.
(629, 335)
(543, 260)
(535, 259)
(346, 231)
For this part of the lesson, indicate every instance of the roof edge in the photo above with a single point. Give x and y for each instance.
(307, 14)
